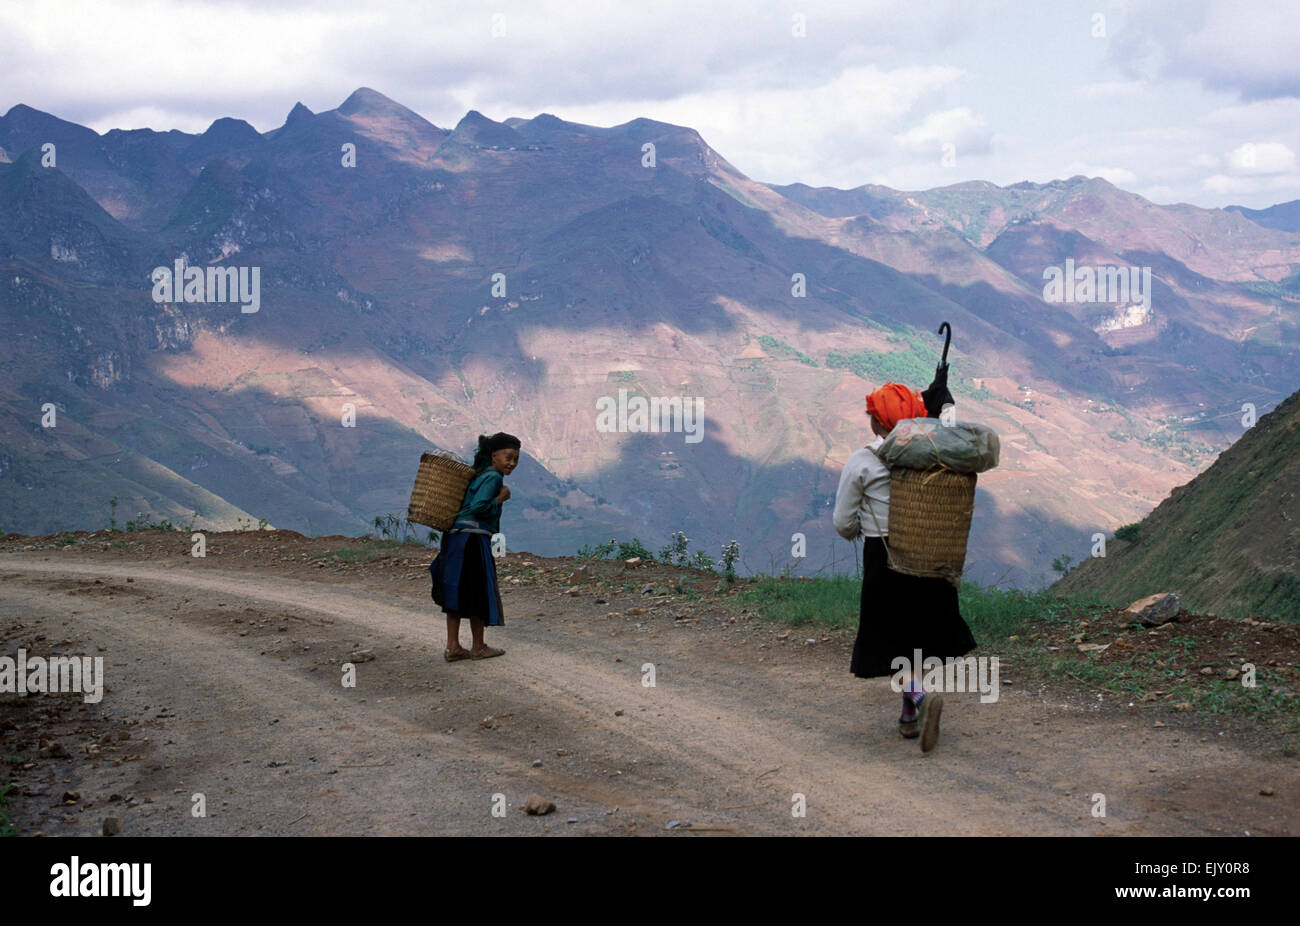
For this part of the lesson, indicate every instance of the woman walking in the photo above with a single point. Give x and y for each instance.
(464, 571)
(898, 614)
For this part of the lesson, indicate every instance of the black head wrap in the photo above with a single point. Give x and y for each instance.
(490, 445)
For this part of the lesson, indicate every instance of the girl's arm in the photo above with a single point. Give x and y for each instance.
(483, 505)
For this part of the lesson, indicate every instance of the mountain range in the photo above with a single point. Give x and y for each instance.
(420, 285)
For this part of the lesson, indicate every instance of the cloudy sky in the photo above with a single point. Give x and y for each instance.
(1178, 100)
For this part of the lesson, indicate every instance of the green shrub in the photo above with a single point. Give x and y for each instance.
(600, 551)
(675, 552)
(1128, 532)
(627, 550)
(397, 528)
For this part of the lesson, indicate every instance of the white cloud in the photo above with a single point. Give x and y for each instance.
(1253, 119)
(811, 135)
(959, 127)
(1248, 45)
(870, 95)
(1264, 158)
(1114, 91)
(1222, 183)
(1160, 193)
(164, 57)
(1264, 189)
(1245, 47)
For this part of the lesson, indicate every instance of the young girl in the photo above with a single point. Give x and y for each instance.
(464, 571)
(898, 613)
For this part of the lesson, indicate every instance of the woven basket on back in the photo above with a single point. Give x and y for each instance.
(929, 522)
(439, 489)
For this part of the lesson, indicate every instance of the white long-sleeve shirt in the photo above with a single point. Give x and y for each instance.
(863, 491)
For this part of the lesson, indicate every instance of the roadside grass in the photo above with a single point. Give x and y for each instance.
(993, 614)
(1039, 634)
(824, 602)
(1158, 678)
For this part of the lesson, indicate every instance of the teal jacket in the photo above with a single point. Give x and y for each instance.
(481, 500)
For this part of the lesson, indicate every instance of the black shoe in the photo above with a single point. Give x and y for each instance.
(931, 708)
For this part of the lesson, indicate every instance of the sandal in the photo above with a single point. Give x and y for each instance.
(487, 652)
(456, 655)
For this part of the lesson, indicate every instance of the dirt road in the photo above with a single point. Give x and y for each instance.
(224, 679)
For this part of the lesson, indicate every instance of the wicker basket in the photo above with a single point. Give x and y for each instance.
(929, 522)
(439, 490)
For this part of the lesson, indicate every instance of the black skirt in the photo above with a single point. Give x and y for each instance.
(899, 614)
(465, 577)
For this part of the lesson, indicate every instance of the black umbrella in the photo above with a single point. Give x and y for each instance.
(937, 396)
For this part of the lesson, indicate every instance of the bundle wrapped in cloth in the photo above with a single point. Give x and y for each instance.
(928, 443)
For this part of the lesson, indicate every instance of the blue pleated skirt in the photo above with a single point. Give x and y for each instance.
(465, 576)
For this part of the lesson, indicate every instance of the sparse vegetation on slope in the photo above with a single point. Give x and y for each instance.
(1228, 542)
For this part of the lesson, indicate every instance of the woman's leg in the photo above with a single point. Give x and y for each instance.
(921, 711)
(907, 720)
(912, 694)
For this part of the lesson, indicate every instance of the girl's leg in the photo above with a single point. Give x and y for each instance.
(453, 632)
(481, 650)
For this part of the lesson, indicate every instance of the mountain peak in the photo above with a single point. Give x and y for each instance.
(363, 99)
(226, 137)
(368, 104)
(229, 129)
(1094, 182)
(477, 129)
(298, 113)
(472, 118)
(21, 112)
(23, 126)
(543, 124)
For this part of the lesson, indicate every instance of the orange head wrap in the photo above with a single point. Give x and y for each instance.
(893, 402)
